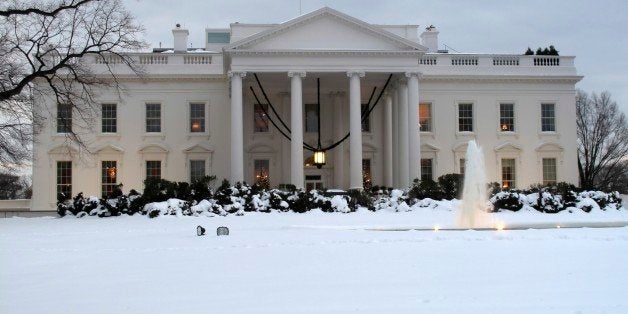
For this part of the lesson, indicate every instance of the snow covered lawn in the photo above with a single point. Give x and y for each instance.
(311, 263)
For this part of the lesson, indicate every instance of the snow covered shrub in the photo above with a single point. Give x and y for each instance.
(316, 200)
(568, 193)
(396, 201)
(603, 200)
(508, 200)
(298, 201)
(339, 204)
(277, 200)
(425, 189)
(494, 188)
(451, 185)
(546, 202)
(360, 198)
(587, 204)
(200, 189)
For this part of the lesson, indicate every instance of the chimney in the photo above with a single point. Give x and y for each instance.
(429, 38)
(180, 39)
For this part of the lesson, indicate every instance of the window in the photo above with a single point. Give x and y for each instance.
(548, 118)
(153, 118)
(311, 118)
(197, 170)
(367, 178)
(314, 182)
(508, 173)
(260, 119)
(462, 166)
(64, 178)
(426, 169)
(109, 176)
(64, 118)
(366, 123)
(109, 118)
(465, 117)
(425, 117)
(218, 38)
(549, 171)
(507, 117)
(197, 118)
(153, 169)
(262, 172)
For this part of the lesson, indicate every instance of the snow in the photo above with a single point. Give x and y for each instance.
(313, 263)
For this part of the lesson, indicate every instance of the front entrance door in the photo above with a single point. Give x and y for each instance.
(314, 182)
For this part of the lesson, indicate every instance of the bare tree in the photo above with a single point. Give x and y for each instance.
(43, 50)
(602, 141)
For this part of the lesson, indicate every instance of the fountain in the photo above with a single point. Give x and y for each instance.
(472, 211)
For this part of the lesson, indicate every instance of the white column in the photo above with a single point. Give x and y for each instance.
(339, 132)
(404, 175)
(285, 143)
(355, 127)
(395, 96)
(388, 141)
(296, 126)
(414, 138)
(237, 136)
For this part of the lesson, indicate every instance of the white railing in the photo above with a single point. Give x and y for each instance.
(193, 59)
(464, 60)
(506, 60)
(108, 59)
(546, 61)
(428, 60)
(154, 59)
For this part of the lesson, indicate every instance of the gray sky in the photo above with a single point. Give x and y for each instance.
(593, 31)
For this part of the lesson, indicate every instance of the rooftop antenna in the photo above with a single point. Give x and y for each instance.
(300, 7)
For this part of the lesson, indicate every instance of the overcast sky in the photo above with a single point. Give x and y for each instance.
(593, 31)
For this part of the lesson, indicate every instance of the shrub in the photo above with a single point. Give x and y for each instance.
(507, 200)
(547, 202)
(360, 198)
(451, 185)
(494, 188)
(425, 189)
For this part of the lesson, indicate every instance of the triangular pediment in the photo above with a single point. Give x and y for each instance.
(108, 149)
(325, 30)
(154, 148)
(507, 147)
(198, 148)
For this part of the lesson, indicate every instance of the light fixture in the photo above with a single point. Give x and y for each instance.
(111, 172)
(200, 231)
(319, 158)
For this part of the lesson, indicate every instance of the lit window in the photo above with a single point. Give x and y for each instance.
(508, 173)
(64, 178)
(426, 169)
(549, 171)
(548, 118)
(153, 169)
(260, 119)
(366, 123)
(507, 117)
(465, 117)
(367, 178)
(109, 175)
(197, 170)
(311, 118)
(197, 118)
(425, 117)
(153, 118)
(64, 118)
(109, 118)
(262, 172)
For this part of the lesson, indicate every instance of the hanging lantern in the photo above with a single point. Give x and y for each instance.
(319, 158)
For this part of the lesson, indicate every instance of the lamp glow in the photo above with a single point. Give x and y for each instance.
(319, 158)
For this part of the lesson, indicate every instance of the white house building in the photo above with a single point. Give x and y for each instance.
(194, 112)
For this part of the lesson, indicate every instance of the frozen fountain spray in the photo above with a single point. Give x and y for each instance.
(472, 211)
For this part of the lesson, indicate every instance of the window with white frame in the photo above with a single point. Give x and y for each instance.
(507, 117)
(109, 118)
(64, 118)
(465, 117)
(153, 118)
(366, 123)
(462, 165)
(548, 117)
(261, 169)
(153, 169)
(311, 118)
(508, 173)
(260, 119)
(425, 117)
(367, 176)
(197, 117)
(109, 177)
(426, 169)
(197, 170)
(549, 171)
(64, 178)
